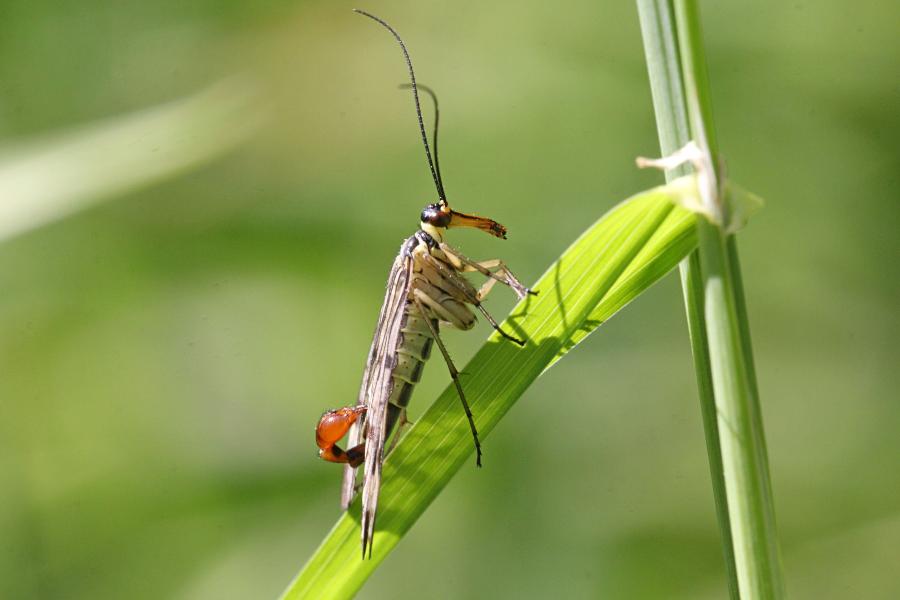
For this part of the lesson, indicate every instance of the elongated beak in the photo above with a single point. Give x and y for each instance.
(458, 219)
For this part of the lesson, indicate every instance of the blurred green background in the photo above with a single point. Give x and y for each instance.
(165, 357)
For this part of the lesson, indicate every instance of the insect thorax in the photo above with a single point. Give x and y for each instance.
(430, 235)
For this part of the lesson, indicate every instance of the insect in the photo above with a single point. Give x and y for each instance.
(425, 289)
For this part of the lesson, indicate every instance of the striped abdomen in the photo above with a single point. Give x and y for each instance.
(412, 353)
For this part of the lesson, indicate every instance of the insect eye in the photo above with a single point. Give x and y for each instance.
(433, 215)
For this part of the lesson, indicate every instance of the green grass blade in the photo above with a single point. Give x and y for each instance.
(620, 256)
(47, 179)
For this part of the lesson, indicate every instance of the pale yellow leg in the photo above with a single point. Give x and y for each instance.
(469, 294)
(501, 272)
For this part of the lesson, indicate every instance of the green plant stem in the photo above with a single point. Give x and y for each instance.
(716, 312)
(657, 19)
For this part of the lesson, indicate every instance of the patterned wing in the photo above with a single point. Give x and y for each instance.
(376, 389)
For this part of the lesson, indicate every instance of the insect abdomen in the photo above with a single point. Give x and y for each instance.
(412, 353)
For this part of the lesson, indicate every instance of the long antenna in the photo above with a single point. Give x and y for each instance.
(437, 119)
(412, 76)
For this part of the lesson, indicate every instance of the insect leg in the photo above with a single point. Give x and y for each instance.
(502, 274)
(496, 325)
(402, 425)
(486, 288)
(469, 295)
(454, 374)
(497, 266)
